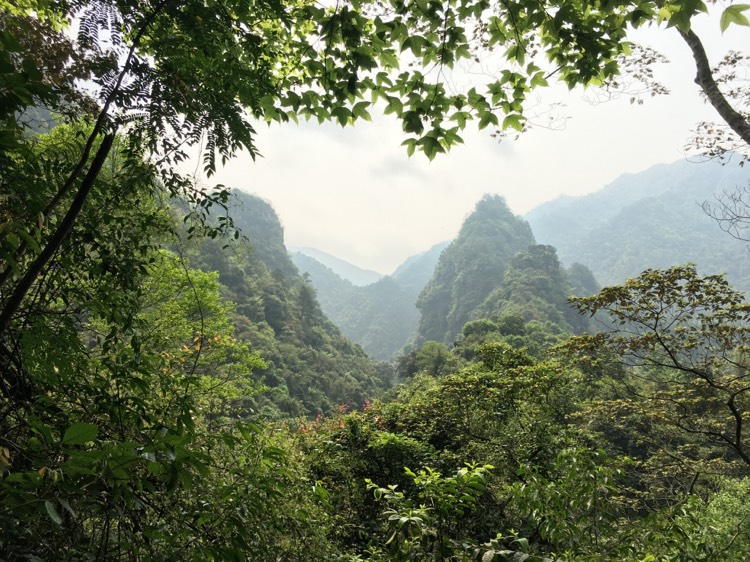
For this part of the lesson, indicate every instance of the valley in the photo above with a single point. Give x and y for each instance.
(650, 220)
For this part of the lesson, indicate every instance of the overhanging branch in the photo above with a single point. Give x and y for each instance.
(705, 79)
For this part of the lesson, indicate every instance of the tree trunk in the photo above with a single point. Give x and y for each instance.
(705, 79)
(13, 303)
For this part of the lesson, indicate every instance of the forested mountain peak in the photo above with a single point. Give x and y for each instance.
(470, 268)
(257, 220)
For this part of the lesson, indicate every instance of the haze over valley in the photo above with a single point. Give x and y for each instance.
(652, 219)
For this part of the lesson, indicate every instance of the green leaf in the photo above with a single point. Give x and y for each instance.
(412, 123)
(360, 111)
(80, 433)
(31, 70)
(394, 106)
(431, 146)
(9, 42)
(13, 240)
(411, 145)
(538, 80)
(341, 114)
(513, 121)
(733, 14)
(30, 240)
(67, 507)
(52, 512)
(487, 119)
(389, 59)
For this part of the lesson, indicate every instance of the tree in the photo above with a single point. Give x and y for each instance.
(135, 443)
(434, 359)
(723, 88)
(686, 337)
(431, 528)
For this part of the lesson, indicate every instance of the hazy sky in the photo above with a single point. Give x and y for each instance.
(355, 194)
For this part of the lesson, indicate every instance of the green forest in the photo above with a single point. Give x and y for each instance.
(171, 389)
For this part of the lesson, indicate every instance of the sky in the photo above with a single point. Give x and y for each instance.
(355, 194)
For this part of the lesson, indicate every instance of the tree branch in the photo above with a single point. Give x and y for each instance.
(705, 79)
(56, 240)
(99, 126)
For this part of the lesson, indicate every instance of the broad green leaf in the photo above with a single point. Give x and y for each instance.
(30, 240)
(431, 146)
(487, 119)
(733, 14)
(360, 111)
(513, 121)
(342, 115)
(67, 507)
(411, 145)
(80, 433)
(52, 512)
(538, 80)
(9, 42)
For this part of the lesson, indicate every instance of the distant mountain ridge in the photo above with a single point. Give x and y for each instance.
(652, 219)
(503, 272)
(355, 275)
(381, 316)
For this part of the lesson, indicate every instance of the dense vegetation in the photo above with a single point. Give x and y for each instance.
(135, 418)
(139, 423)
(310, 367)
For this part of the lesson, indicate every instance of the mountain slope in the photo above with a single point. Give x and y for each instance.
(332, 291)
(382, 316)
(535, 288)
(647, 220)
(470, 268)
(312, 366)
(417, 270)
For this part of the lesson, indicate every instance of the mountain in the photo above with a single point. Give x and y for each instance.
(382, 316)
(470, 268)
(417, 270)
(535, 290)
(355, 275)
(330, 288)
(653, 219)
(311, 366)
